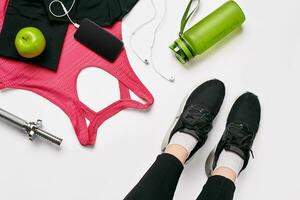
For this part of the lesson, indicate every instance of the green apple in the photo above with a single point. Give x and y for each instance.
(30, 42)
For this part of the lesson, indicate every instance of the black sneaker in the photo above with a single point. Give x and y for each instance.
(241, 128)
(197, 113)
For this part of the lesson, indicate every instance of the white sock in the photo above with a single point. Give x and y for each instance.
(185, 140)
(230, 160)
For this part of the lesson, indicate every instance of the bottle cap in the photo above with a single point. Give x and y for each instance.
(181, 50)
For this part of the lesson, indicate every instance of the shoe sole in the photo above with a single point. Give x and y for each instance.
(209, 163)
(167, 136)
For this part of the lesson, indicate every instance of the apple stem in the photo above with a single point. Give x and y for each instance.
(24, 38)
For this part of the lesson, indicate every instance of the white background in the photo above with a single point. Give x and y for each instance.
(263, 58)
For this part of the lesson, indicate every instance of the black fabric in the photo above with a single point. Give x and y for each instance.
(247, 110)
(217, 188)
(210, 94)
(23, 13)
(103, 12)
(160, 181)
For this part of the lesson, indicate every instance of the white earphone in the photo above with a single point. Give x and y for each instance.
(65, 10)
(150, 60)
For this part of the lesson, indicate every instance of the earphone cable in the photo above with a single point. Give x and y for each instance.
(151, 60)
(65, 10)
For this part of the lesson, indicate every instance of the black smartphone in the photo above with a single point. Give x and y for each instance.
(98, 40)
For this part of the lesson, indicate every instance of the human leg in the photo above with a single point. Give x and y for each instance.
(160, 181)
(185, 138)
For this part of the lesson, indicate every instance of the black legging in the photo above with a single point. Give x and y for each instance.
(160, 182)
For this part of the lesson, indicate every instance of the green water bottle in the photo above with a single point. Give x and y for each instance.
(208, 31)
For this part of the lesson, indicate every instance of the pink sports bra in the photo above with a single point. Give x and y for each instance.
(60, 87)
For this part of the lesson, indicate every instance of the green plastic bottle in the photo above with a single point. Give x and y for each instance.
(208, 31)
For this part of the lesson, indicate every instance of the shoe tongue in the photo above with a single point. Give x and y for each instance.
(190, 132)
(236, 150)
